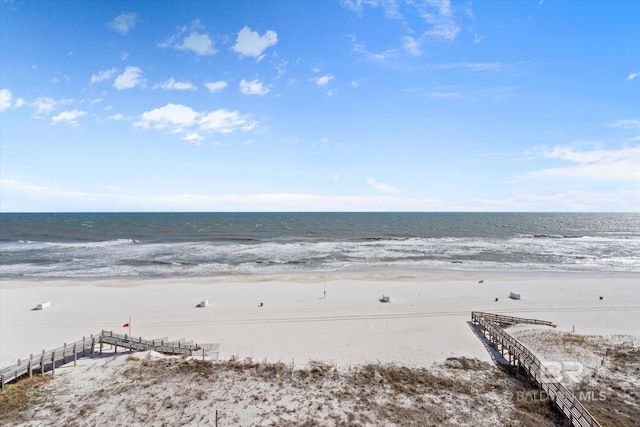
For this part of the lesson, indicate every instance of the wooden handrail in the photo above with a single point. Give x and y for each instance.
(568, 404)
(48, 359)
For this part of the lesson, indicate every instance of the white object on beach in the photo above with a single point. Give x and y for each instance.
(513, 295)
(203, 303)
(385, 298)
(43, 305)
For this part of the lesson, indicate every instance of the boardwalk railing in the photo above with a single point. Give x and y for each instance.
(519, 355)
(49, 360)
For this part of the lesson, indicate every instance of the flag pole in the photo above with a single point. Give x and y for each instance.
(129, 327)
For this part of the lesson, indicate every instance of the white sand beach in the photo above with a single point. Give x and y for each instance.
(424, 322)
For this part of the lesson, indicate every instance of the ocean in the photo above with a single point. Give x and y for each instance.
(95, 245)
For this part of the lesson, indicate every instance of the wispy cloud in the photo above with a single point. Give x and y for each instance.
(411, 45)
(118, 117)
(254, 87)
(380, 186)
(172, 84)
(123, 23)
(472, 66)
(44, 105)
(323, 80)
(251, 43)
(575, 201)
(68, 117)
(5, 99)
(376, 57)
(632, 76)
(443, 24)
(103, 75)
(214, 87)
(190, 124)
(466, 92)
(626, 124)
(191, 38)
(130, 78)
(7, 102)
(596, 164)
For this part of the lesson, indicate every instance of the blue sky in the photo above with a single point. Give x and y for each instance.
(354, 105)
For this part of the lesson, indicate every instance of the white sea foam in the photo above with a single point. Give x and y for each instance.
(332, 242)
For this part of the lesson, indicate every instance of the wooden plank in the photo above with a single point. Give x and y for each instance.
(562, 397)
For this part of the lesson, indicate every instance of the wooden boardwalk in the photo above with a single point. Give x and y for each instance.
(518, 355)
(86, 347)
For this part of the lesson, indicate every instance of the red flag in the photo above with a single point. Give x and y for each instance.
(126, 325)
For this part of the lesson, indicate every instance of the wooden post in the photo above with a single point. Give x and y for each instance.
(75, 353)
(53, 363)
(93, 346)
(64, 354)
(203, 354)
(42, 364)
(30, 367)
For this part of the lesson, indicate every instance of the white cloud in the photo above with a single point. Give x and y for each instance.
(171, 116)
(216, 86)
(194, 137)
(323, 80)
(632, 76)
(123, 23)
(225, 121)
(5, 99)
(195, 41)
(254, 87)
(251, 43)
(380, 186)
(281, 69)
(172, 84)
(439, 16)
(622, 200)
(626, 124)
(183, 120)
(130, 78)
(44, 105)
(103, 75)
(116, 117)
(68, 117)
(597, 164)
(473, 66)
(199, 43)
(386, 55)
(411, 45)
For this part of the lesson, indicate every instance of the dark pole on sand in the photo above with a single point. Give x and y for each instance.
(324, 282)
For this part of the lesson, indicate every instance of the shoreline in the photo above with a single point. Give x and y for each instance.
(356, 273)
(425, 321)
